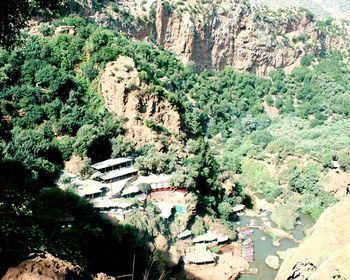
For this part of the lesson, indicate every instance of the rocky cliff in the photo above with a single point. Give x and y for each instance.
(325, 253)
(223, 32)
(213, 34)
(142, 110)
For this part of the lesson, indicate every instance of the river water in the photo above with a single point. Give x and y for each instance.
(266, 248)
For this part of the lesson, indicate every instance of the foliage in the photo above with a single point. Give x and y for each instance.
(198, 227)
(49, 111)
(14, 16)
(225, 210)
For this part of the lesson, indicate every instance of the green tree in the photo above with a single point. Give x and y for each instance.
(14, 15)
(225, 210)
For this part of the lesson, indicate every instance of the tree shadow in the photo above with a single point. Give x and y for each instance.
(36, 219)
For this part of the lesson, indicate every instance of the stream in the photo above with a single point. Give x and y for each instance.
(266, 248)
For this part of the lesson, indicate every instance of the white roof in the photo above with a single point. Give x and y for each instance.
(129, 190)
(88, 187)
(152, 179)
(184, 234)
(117, 173)
(207, 237)
(106, 203)
(210, 236)
(110, 162)
(200, 255)
(238, 207)
(165, 209)
(117, 187)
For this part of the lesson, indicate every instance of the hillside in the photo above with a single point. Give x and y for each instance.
(218, 33)
(236, 105)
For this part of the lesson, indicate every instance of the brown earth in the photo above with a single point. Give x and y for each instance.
(227, 267)
(46, 267)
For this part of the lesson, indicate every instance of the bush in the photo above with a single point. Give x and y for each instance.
(307, 59)
(46, 29)
(261, 138)
(198, 227)
(225, 210)
(271, 191)
(343, 159)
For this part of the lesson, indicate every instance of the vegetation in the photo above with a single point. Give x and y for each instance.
(50, 110)
(14, 15)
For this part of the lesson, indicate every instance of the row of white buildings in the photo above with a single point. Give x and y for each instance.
(116, 180)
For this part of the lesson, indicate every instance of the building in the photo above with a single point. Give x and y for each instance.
(116, 206)
(200, 255)
(211, 237)
(156, 182)
(113, 170)
(90, 189)
(185, 234)
(205, 238)
(131, 191)
(238, 208)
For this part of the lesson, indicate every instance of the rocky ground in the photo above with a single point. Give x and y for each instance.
(325, 253)
(44, 266)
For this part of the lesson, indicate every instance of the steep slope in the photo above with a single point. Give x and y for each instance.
(325, 253)
(126, 96)
(214, 34)
(226, 33)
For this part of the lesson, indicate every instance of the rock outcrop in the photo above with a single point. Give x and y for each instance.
(126, 96)
(273, 262)
(325, 253)
(213, 34)
(46, 267)
(224, 32)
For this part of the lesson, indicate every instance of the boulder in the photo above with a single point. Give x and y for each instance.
(272, 262)
(44, 266)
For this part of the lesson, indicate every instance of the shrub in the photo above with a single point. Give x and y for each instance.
(343, 159)
(307, 59)
(261, 138)
(198, 227)
(225, 210)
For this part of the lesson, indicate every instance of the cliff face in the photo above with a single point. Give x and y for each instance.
(224, 33)
(325, 253)
(126, 96)
(213, 34)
